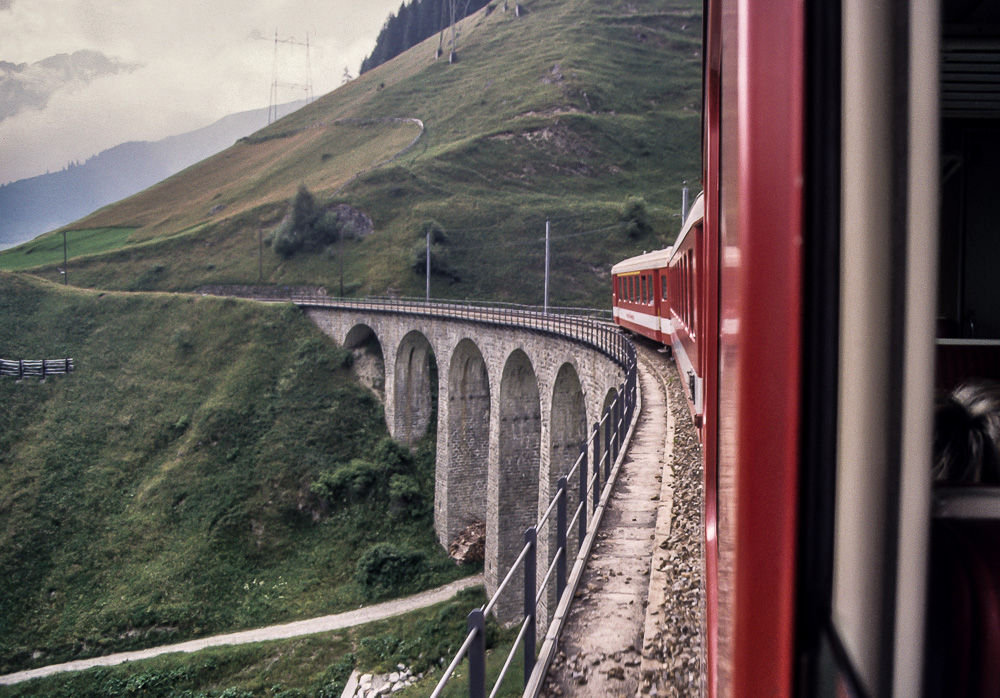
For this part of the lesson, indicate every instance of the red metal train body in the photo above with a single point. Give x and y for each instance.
(841, 261)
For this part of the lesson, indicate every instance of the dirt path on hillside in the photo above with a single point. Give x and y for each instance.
(274, 632)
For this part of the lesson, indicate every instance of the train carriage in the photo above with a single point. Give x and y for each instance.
(639, 295)
(845, 265)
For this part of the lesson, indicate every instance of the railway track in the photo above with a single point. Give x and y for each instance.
(620, 639)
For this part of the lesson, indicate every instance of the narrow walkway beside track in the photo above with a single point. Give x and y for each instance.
(600, 649)
(275, 632)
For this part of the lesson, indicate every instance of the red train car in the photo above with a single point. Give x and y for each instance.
(848, 250)
(655, 295)
(639, 295)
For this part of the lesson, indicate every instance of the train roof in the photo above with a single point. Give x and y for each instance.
(650, 260)
(695, 215)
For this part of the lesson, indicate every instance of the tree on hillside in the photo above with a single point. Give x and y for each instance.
(308, 228)
(414, 22)
(635, 216)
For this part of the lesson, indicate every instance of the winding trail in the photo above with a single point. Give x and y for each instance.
(310, 626)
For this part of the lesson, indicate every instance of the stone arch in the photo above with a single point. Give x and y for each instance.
(415, 388)
(609, 398)
(369, 359)
(568, 423)
(598, 450)
(468, 428)
(567, 431)
(519, 451)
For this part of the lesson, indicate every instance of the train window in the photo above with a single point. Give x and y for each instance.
(663, 283)
(968, 304)
(642, 288)
(963, 637)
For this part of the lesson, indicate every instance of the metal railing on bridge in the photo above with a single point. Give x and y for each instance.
(589, 326)
(615, 425)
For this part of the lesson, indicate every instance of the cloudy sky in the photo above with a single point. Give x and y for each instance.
(80, 76)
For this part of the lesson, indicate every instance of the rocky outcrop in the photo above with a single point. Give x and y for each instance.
(375, 685)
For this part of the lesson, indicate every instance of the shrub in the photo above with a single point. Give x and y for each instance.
(387, 569)
(381, 651)
(393, 456)
(181, 339)
(333, 681)
(357, 479)
(349, 482)
(404, 496)
(636, 217)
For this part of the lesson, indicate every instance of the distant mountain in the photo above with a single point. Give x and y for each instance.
(30, 207)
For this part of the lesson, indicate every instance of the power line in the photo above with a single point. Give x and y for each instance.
(536, 241)
(272, 111)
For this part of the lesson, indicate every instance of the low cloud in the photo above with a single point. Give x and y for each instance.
(5, 4)
(26, 86)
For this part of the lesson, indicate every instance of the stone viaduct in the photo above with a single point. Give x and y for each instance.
(513, 404)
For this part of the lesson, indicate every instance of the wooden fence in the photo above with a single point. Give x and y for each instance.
(40, 368)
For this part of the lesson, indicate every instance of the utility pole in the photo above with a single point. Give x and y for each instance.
(545, 307)
(65, 267)
(453, 56)
(260, 255)
(428, 265)
(272, 111)
(341, 261)
(684, 203)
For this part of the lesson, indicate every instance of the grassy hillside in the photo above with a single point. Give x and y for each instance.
(561, 113)
(162, 490)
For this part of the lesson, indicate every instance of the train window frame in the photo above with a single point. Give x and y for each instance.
(889, 182)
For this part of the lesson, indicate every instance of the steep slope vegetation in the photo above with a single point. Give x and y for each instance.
(163, 490)
(560, 113)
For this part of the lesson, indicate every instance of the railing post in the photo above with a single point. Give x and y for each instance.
(476, 622)
(608, 436)
(633, 391)
(584, 448)
(530, 572)
(561, 543)
(596, 494)
(617, 408)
